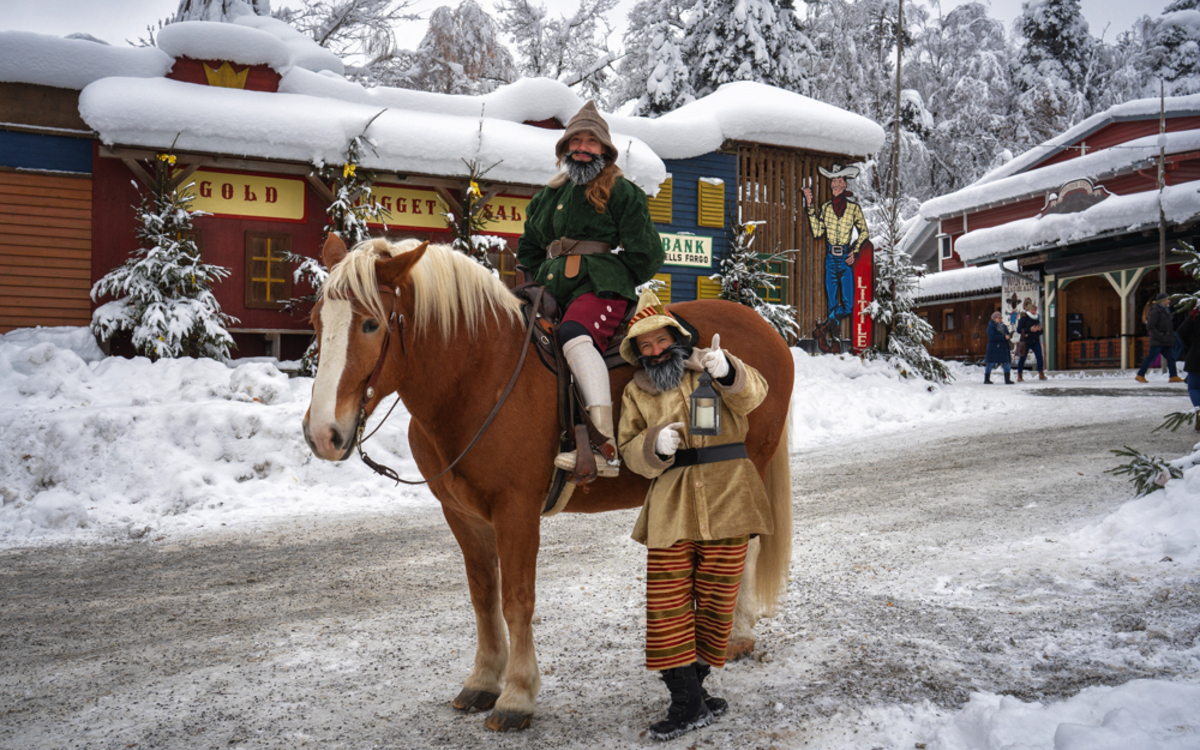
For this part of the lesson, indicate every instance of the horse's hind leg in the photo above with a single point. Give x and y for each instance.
(478, 544)
(518, 536)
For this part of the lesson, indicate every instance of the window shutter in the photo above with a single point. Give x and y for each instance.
(660, 205)
(664, 292)
(267, 270)
(706, 288)
(710, 202)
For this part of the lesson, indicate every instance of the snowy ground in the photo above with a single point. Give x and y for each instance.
(178, 571)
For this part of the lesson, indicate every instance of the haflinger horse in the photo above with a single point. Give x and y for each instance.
(434, 326)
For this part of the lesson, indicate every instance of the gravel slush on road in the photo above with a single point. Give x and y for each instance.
(932, 561)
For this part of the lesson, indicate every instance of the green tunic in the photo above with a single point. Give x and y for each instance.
(564, 211)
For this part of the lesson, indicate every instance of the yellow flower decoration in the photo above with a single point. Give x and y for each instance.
(348, 171)
(168, 158)
(474, 189)
(750, 228)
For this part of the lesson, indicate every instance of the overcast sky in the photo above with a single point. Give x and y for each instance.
(118, 21)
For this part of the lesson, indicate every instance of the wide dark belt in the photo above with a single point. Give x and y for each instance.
(573, 249)
(710, 455)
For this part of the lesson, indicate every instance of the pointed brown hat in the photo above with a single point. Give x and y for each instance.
(588, 120)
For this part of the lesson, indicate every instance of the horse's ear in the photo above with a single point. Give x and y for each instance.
(334, 250)
(391, 271)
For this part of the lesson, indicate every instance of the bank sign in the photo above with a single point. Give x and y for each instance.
(687, 250)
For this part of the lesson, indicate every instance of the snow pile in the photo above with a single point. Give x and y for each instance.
(45, 60)
(249, 40)
(961, 281)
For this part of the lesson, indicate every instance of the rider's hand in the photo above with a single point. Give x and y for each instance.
(715, 360)
(668, 439)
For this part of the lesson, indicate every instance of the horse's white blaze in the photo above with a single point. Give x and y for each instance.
(336, 316)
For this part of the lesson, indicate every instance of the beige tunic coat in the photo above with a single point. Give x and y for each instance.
(707, 501)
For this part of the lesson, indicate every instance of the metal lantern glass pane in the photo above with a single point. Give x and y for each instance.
(705, 405)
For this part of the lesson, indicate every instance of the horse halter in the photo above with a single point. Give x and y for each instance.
(396, 323)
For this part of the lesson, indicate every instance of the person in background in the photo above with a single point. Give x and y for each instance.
(997, 349)
(1029, 331)
(1191, 360)
(1162, 338)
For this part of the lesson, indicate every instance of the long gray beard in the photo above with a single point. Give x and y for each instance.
(666, 375)
(583, 172)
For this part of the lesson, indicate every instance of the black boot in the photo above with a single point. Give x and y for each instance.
(1007, 379)
(687, 710)
(718, 706)
(987, 379)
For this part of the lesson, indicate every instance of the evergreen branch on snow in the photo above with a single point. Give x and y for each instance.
(1148, 473)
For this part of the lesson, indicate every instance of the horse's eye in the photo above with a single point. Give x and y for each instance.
(370, 325)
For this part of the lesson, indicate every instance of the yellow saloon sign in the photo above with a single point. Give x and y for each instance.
(245, 195)
(505, 215)
(687, 250)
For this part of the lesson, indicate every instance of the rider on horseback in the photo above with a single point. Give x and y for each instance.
(572, 231)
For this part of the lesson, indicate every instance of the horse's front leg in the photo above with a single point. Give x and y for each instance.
(745, 613)
(518, 534)
(477, 540)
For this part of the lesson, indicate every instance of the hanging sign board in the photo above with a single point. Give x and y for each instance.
(246, 195)
(687, 250)
(864, 293)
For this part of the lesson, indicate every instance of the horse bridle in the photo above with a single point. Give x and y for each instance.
(396, 324)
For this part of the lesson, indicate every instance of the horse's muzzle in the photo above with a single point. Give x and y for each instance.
(332, 443)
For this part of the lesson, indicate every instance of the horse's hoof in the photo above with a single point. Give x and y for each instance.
(475, 700)
(503, 721)
(739, 647)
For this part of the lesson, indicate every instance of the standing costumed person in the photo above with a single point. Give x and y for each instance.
(705, 502)
(572, 228)
(841, 222)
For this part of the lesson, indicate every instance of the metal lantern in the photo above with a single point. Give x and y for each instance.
(705, 405)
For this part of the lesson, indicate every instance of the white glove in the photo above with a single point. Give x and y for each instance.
(715, 360)
(667, 441)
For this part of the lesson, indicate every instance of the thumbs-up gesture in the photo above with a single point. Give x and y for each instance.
(668, 439)
(714, 360)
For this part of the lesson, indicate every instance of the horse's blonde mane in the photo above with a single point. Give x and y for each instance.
(448, 286)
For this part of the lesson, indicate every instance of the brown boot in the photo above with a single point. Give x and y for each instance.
(1175, 379)
(1041, 375)
(602, 418)
(1020, 377)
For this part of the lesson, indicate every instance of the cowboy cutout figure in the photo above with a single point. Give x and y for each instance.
(841, 222)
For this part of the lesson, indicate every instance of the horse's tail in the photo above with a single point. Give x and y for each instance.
(775, 550)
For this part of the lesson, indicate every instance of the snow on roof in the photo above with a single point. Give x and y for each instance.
(961, 281)
(44, 60)
(755, 112)
(248, 40)
(1117, 213)
(155, 113)
(1018, 178)
(1137, 153)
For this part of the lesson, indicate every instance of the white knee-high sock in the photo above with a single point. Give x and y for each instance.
(589, 369)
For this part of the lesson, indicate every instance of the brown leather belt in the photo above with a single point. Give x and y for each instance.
(573, 249)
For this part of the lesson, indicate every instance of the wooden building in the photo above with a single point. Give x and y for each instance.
(1080, 216)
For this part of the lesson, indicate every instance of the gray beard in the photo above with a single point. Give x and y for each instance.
(582, 172)
(666, 375)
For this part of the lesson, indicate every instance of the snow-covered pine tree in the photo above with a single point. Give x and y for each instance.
(461, 53)
(352, 28)
(220, 10)
(163, 292)
(1054, 66)
(746, 40)
(906, 334)
(652, 72)
(743, 271)
(348, 215)
(1177, 47)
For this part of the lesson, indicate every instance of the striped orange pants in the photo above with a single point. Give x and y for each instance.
(691, 590)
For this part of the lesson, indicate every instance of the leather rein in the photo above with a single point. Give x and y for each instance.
(396, 324)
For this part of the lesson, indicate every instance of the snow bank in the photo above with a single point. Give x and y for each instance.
(46, 60)
(249, 40)
(961, 281)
